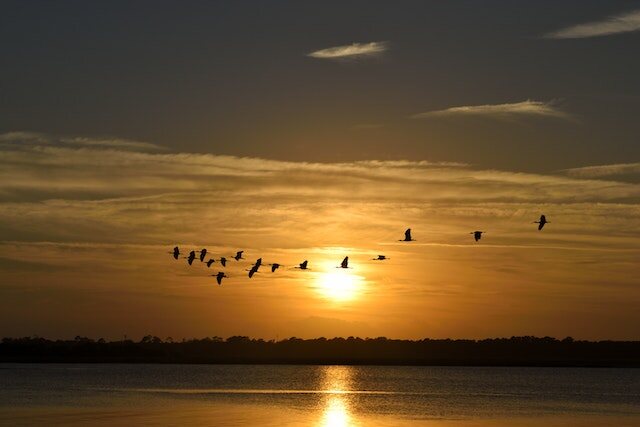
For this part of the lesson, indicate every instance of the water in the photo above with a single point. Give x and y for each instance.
(100, 394)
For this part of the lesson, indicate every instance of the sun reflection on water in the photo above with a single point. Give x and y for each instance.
(337, 411)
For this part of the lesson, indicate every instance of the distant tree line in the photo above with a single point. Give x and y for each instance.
(514, 351)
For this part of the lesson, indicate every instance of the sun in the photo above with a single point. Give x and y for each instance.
(339, 285)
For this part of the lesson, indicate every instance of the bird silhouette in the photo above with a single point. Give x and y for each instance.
(223, 261)
(176, 252)
(203, 253)
(192, 256)
(211, 261)
(407, 236)
(274, 266)
(344, 263)
(541, 222)
(303, 265)
(477, 235)
(238, 256)
(380, 258)
(219, 276)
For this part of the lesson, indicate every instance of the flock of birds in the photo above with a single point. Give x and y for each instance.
(477, 235)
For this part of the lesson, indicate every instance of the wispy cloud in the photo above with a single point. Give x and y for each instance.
(623, 23)
(22, 139)
(354, 50)
(604, 170)
(524, 108)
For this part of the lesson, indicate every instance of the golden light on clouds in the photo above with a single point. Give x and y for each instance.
(87, 227)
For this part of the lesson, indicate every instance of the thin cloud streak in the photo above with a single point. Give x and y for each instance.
(509, 110)
(354, 50)
(604, 170)
(623, 23)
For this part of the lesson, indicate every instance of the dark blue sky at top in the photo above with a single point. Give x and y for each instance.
(233, 78)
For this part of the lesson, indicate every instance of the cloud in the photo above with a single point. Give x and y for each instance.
(524, 108)
(354, 50)
(604, 170)
(623, 23)
(17, 139)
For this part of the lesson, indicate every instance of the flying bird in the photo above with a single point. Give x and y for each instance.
(219, 277)
(541, 222)
(274, 266)
(477, 235)
(176, 252)
(344, 263)
(380, 258)
(192, 256)
(238, 256)
(203, 253)
(407, 236)
(211, 261)
(303, 265)
(223, 261)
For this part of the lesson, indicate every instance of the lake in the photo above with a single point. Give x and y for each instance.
(274, 395)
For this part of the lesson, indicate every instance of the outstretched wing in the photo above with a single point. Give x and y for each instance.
(407, 234)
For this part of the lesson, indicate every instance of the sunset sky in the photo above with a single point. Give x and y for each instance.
(299, 130)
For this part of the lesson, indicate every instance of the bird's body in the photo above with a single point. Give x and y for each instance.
(223, 261)
(192, 256)
(303, 265)
(407, 236)
(380, 258)
(274, 266)
(176, 252)
(344, 263)
(238, 256)
(203, 253)
(477, 235)
(541, 222)
(253, 271)
(211, 261)
(219, 276)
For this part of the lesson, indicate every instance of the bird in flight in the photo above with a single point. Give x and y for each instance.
(274, 266)
(176, 252)
(203, 253)
(344, 263)
(541, 222)
(238, 256)
(303, 265)
(477, 235)
(223, 261)
(380, 258)
(211, 261)
(192, 256)
(219, 277)
(407, 236)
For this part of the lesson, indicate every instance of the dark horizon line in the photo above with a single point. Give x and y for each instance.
(514, 351)
(169, 340)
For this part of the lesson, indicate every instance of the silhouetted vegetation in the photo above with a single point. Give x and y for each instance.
(514, 351)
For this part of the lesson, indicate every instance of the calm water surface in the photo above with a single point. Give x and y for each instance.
(95, 394)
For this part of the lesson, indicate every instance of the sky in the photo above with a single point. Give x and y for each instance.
(299, 130)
